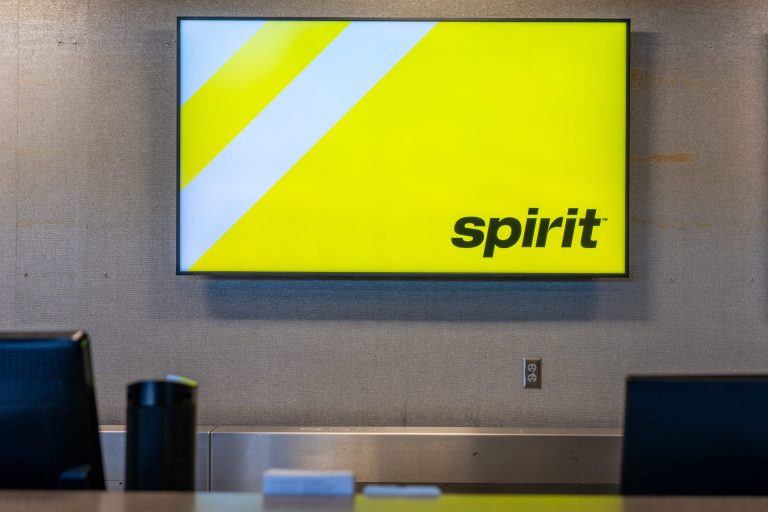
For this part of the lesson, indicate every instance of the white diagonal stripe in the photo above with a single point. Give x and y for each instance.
(287, 128)
(205, 46)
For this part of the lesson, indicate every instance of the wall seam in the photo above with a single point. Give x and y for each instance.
(210, 456)
(16, 168)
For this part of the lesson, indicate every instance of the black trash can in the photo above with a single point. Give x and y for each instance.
(160, 444)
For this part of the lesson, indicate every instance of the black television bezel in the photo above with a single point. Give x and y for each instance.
(426, 276)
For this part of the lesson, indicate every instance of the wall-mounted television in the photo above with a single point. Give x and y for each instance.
(485, 149)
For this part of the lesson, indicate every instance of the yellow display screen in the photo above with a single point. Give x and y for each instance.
(486, 149)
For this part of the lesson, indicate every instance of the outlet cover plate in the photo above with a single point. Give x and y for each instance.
(532, 372)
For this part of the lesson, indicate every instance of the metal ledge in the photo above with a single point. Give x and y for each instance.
(458, 459)
(475, 459)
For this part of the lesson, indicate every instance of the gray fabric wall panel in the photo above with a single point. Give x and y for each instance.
(53, 166)
(8, 152)
(87, 235)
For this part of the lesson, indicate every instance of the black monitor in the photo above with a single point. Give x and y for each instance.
(49, 433)
(702, 435)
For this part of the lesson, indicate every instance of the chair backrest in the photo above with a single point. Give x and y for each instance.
(49, 431)
(696, 435)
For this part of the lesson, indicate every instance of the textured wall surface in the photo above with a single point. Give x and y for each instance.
(87, 234)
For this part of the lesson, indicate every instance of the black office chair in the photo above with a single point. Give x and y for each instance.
(49, 432)
(698, 435)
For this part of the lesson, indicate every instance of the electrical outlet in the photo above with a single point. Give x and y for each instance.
(532, 373)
